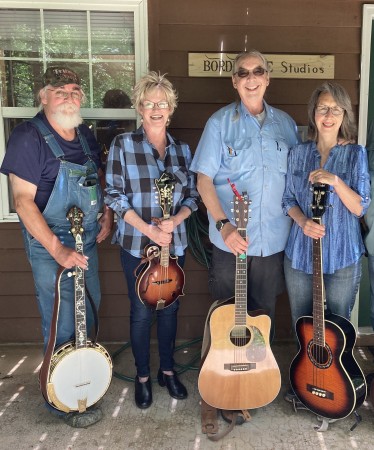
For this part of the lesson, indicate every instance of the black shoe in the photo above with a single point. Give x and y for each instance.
(175, 387)
(143, 393)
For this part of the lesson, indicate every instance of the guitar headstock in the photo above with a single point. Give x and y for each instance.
(319, 203)
(165, 185)
(75, 216)
(241, 210)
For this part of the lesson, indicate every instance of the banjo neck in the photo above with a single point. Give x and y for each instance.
(80, 300)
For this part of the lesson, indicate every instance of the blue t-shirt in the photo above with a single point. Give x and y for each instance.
(29, 157)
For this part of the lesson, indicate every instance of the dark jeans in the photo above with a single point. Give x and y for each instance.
(141, 319)
(265, 280)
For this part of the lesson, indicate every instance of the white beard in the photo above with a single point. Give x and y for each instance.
(68, 116)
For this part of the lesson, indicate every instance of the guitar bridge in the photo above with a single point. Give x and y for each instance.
(323, 393)
(239, 367)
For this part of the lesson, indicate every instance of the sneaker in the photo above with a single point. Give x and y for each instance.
(83, 420)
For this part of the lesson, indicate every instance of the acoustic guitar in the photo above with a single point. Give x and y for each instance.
(240, 371)
(324, 374)
(79, 372)
(161, 281)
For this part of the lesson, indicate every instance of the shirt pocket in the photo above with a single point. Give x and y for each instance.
(237, 154)
(281, 149)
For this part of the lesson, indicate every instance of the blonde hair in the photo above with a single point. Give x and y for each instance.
(149, 82)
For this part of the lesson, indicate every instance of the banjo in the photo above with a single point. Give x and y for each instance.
(78, 373)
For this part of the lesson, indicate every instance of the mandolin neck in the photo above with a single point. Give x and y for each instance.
(165, 249)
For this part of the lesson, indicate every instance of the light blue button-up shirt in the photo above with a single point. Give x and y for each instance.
(254, 158)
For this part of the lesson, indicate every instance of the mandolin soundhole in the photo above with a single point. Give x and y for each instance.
(240, 336)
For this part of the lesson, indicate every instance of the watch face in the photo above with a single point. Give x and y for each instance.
(219, 225)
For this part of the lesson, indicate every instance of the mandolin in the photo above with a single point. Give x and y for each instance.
(324, 374)
(240, 371)
(161, 280)
(78, 373)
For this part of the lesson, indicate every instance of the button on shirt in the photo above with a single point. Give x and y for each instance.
(133, 166)
(342, 244)
(254, 158)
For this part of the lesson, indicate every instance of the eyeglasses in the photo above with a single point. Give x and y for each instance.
(75, 95)
(150, 105)
(335, 110)
(257, 72)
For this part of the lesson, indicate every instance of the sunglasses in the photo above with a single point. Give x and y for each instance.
(257, 72)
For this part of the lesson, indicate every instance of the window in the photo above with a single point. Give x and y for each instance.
(106, 46)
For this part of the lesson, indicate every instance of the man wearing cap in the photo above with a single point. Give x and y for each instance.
(53, 163)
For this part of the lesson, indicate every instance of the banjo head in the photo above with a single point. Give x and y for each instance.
(79, 377)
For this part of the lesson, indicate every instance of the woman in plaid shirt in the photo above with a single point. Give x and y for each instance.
(135, 161)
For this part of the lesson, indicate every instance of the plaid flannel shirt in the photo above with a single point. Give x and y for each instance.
(133, 166)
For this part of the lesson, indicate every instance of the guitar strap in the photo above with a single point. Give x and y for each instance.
(209, 423)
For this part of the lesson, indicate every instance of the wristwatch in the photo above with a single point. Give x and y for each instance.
(221, 223)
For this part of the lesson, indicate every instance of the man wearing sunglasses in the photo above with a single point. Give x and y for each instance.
(244, 148)
(53, 163)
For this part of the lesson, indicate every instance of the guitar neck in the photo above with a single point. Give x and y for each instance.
(80, 300)
(241, 285)
(318, 292)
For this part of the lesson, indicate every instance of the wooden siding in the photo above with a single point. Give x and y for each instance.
(177, 27)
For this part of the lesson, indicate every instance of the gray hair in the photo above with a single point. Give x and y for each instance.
(149, 82)
(348, 128)
(251, 53)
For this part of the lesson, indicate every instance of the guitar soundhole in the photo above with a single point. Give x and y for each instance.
(240, 336)
(320, 356)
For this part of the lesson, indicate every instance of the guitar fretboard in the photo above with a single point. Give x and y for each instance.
(318, 292)
(241, 286)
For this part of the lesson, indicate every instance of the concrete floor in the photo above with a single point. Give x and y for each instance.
(25, 423)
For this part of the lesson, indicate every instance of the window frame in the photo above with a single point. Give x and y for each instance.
(139, 9)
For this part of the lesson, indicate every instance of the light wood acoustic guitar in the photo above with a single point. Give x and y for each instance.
(240, 371)
(324, 374)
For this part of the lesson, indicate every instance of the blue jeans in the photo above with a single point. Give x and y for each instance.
(44, 269)
(141, 320)
(341, 288)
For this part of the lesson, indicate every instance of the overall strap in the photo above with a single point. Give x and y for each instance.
(84, 143)
(48, 137)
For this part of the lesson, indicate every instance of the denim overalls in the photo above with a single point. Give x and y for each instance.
(75, 185)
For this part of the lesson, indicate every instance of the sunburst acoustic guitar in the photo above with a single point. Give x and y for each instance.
(324, 374)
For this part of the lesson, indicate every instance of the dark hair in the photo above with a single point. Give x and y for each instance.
(116, 98)
(348, 128)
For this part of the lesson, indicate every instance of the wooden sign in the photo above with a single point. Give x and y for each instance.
(281, 66)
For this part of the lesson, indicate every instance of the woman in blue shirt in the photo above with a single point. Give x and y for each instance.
(344, 168)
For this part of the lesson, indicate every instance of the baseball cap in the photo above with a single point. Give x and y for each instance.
(59, 76)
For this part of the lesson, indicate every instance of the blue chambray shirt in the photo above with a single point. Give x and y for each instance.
(132, 167)
(234, 145)
(342, 244)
